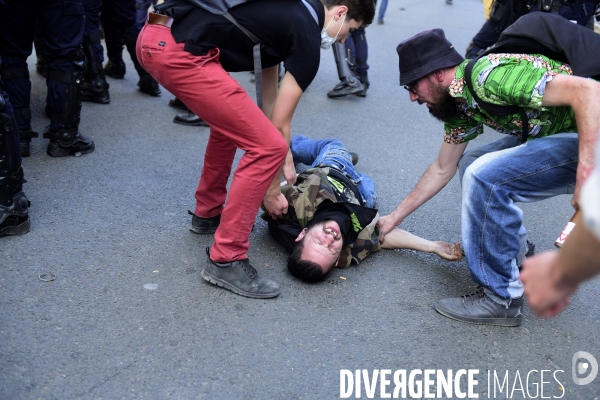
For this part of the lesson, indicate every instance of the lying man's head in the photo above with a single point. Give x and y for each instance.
(317, 250)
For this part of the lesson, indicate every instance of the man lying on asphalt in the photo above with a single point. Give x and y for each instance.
(557, 158)
(332, 219)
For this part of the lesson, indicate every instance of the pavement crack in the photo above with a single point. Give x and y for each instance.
(107, 379)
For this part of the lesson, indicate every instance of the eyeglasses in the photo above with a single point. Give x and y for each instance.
(410, 87)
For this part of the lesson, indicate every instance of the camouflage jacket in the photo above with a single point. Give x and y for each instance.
(312, 189)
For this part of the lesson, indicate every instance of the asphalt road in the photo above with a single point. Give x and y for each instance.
(129, 316)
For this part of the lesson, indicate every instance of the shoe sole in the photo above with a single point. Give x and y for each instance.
(16, 230)
(151, 93)
(96, 100)
(226, 285)
(190, 123)
(360, 93)
(509, 322)
(202, 231)
(58, 152)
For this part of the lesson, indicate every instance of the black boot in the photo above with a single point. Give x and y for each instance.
(190, 119)
(115, 67)
(63, 131)
(364, 79)
(345, 87)
(14, 206)
(95, 89)
(26, 134)
(25, 137)
(176, 103)
(147, 83)
(68, 142)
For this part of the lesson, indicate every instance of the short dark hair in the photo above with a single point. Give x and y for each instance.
(362, 11)
(307, 271)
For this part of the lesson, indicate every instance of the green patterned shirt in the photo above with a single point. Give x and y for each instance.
(508, 79)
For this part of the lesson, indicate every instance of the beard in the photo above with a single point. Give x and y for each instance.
(445, 108)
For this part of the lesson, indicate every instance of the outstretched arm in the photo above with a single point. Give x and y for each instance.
(433, 180)
(399, 239)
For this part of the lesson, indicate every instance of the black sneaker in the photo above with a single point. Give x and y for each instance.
(354, 157)
(239, 277)
(478, 308)
(204, 225)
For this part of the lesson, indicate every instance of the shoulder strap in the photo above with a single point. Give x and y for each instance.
(495, 109)
(256, 55)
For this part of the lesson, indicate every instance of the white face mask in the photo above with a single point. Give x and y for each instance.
(327, 41)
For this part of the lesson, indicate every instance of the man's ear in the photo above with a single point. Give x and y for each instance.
(301, 235)
(439, 75)
(341, 11)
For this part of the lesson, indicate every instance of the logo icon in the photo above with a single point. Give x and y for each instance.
(580, 367)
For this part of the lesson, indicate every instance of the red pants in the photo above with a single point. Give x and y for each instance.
(235, 121)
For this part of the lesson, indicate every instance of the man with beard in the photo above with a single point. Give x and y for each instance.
(556, 159)
(332, 219)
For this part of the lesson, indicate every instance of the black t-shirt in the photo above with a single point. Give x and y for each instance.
(286, 28)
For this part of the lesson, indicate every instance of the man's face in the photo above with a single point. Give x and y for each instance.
(340, 26)
(347, 28)
(323, 243)
(434, 94)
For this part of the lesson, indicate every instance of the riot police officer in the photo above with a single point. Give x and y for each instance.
(61, 26)
(122, 16)
(14, 206)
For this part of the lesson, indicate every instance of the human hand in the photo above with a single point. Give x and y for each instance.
(276, 205)
(448, 251)
(289, 170)
(385, 224)
(546, 294)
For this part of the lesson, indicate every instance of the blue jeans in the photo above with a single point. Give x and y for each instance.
(332, 153)
(382, 8)
(493, 178)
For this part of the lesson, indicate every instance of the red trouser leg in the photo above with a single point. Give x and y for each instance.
(236, 122)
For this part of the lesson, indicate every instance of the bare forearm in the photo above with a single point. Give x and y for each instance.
(433, 180)
(269, 89)
(437, 175)
(400, 239)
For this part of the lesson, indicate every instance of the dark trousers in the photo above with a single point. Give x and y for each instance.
(122, 15)
(60, 24)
